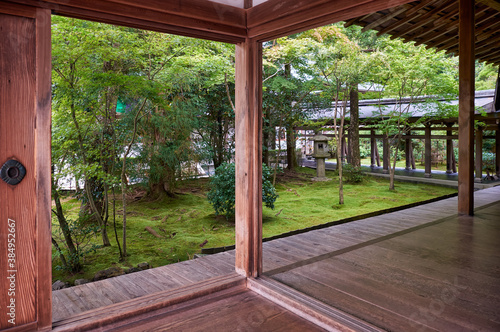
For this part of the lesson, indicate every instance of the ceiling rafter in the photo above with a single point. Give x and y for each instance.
(435, 24)
(425, 19)
(410, 15)
(446, 25)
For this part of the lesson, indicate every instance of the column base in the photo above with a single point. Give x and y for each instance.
(428, 175)
(449, 171)
(385, 171)
(478, 180)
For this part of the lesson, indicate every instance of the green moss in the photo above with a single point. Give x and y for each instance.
(187, 221)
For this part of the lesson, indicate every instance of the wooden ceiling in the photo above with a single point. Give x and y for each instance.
(430, 22)
(434, 23)
(231, 21)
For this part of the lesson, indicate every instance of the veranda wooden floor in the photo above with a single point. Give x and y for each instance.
(418, 268)
(413, 270)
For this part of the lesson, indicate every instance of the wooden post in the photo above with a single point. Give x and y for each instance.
(373, 147)
(25, 217)
(428, 150)
(248, 158)
(479, 155)
(408, 152)
(497, 151)
(385, 154)
(466, 108)
(449, 149)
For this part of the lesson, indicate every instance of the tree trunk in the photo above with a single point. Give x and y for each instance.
(74, 264)
(291, 157)
(341, 182)
(355, 158)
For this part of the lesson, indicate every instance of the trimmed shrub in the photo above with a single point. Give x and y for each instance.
(222, 192)
(352, 174)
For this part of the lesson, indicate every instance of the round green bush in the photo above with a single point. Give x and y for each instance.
(222, 192)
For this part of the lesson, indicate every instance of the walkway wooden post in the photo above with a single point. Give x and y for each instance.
(25, 216)
(449, 149)
(385, 154)
(373, 147)
(408, 148)
(248, 158)
(479, 155)
(427, 152)
(466, 108)
(497, 150)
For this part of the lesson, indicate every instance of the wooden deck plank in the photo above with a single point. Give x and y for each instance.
(91, 296)
(244, 311)
(449, 266)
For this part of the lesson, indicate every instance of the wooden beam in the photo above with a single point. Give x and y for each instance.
(218, 24)
(386, 18)
(491, 3)
(277, 18)
(411, 14)
(248, 157)
(466, 109)
(443, 25)
(426, 18)
(491, 23)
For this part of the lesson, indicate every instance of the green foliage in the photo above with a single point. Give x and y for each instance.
(222, 193)
(84, 235)
(352, 174)
(489, 160)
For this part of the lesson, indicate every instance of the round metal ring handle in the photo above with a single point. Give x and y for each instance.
(12, 172)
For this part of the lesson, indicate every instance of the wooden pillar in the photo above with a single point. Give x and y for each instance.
(248, 157)
(497, 151)
(449, 149)
(427, 152)
(373, 147)
(385, 154)
(408, 148)
(479, 155)
(466, 108)
(25, 216)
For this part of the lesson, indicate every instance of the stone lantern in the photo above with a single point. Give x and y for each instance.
(320, 154)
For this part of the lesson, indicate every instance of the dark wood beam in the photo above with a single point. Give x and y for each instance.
(358, 19)
(411, 14)
(215, 21)
(444, 26)
(426, 18)
(386, 18)
(439, 27)
(248, 158)
(278, 18)
(466, 109)
(491, 23)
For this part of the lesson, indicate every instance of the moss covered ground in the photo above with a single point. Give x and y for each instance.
(187, 222)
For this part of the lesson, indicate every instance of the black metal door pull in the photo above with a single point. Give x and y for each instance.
(12, 172)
